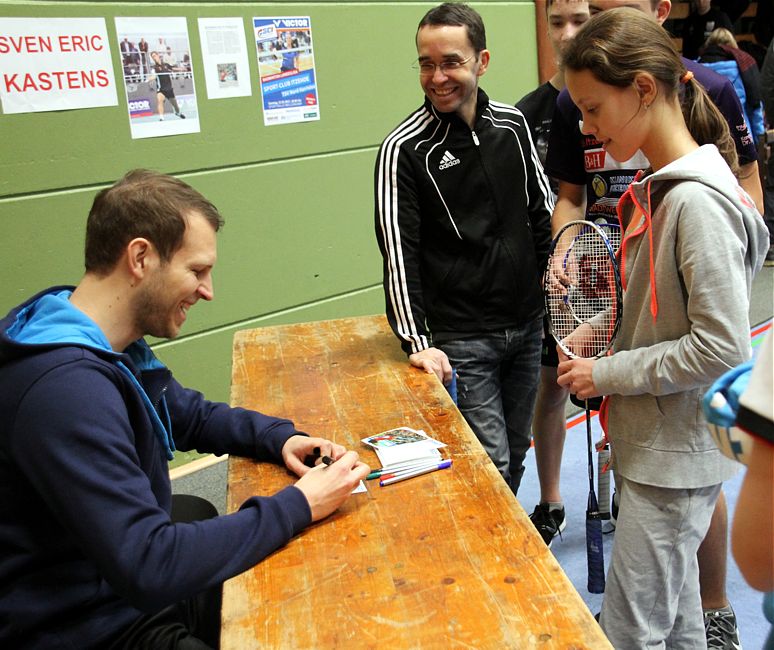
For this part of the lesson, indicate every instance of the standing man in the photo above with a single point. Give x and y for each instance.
(591, 182)
(88, 420)
(161, 79)
(463, 223)
(144, 63)
(565, 18)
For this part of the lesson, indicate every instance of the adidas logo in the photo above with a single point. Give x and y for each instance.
(448, 160)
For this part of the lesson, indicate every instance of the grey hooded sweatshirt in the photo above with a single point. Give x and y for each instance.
(692, 242)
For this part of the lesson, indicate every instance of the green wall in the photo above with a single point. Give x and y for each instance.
(298, 244)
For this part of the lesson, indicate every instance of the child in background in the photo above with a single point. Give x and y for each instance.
(692, 242)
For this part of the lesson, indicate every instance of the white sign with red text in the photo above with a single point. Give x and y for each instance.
(55, 64)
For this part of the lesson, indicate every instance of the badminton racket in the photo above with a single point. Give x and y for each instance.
(583, 298)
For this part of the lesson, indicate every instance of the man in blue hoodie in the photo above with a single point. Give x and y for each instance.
(89, 556)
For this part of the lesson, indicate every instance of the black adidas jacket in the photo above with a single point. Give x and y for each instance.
(463, 221)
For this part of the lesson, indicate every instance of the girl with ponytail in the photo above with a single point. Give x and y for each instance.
(692, 241)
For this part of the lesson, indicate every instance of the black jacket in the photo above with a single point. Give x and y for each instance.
(463, 224)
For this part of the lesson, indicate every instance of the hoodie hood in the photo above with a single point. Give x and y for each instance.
(49, 320)
(704, 165)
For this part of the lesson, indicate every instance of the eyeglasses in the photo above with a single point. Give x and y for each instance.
(427, 68)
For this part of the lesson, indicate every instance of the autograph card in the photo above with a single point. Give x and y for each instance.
(403, 443)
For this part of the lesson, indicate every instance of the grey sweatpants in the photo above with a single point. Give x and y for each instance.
(652, 595)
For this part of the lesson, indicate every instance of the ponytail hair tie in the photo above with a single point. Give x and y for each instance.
(686, 77)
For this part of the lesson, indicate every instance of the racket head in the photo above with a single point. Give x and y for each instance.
(582, 286)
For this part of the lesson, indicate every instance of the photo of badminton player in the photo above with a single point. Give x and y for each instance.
(161, 79)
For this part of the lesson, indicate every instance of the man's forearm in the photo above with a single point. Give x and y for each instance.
(570, 205)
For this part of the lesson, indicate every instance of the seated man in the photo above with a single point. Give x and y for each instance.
(89, 556)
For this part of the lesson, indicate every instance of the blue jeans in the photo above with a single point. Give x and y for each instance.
(497, 378)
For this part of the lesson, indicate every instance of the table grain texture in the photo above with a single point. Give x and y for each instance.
(445, 560)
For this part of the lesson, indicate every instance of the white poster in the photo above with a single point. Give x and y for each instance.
(286, 69)
(55, 64)
(224, 51)
(158, 76)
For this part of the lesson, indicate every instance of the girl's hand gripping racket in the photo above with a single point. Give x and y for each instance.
(583, 301)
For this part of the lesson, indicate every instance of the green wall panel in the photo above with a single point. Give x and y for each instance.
(363, 54)
(298, 243)
(203, 362)
(296, 232)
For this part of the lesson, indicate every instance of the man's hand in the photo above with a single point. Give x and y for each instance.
(576, 375)
(297, 448)
(326, 487)
(433, 360)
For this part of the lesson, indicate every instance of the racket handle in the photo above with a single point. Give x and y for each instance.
(603, 482)
(594, 557)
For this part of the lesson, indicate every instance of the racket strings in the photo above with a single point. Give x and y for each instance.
(582, 288)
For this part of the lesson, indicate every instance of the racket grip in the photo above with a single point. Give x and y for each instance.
(603, 482)
(594, 556)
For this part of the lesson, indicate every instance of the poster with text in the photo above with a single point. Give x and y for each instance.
(224, 53)
(55, 64)
(158, 76)
(286, 70)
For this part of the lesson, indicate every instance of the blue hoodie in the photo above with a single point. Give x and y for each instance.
(86, 542)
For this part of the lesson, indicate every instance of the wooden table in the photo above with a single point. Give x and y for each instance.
(444, 560)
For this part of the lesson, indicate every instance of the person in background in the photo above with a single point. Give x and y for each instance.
(685, 318)
(767, 91)
(462, 219)
(591, 181)
(722, 54)
(700, 23)
(752, 535)
(742, 423)
(89, 418)
(565, 18)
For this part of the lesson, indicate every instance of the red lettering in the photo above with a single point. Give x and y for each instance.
(29, 82)
(10, 83)
(44, 81)
(87, 79)
(78, 43)
(594, 160)
(56, 80)
(26, 44)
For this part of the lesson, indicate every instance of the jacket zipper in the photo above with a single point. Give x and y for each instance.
(161, 396)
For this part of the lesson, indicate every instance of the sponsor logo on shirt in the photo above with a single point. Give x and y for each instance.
(448, 160)
(594, 159)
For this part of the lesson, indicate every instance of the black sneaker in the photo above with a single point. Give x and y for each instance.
(180, 115)
(720, 627)
(549, 523)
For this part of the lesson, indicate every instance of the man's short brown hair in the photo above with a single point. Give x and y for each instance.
(145, 204)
